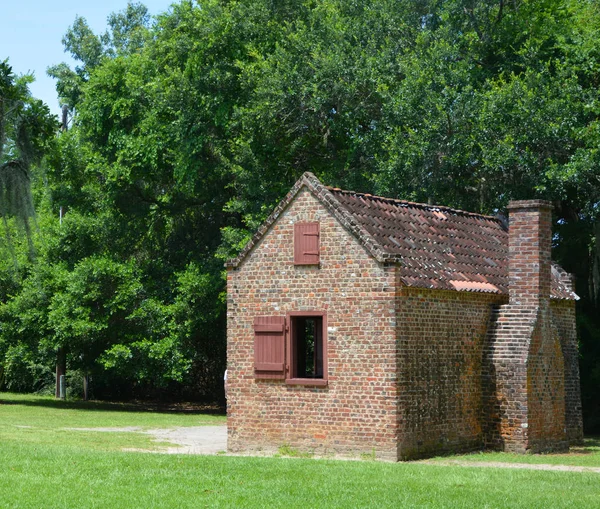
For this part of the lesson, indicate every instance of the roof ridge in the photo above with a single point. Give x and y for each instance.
(330, 202)
(413, 204)
(428, 253)
(345, 217)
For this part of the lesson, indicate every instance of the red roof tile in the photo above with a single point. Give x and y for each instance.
(435, 246)
(439, 247)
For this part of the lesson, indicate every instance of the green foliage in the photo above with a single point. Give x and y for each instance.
(91, 309)
(24, 371)
(126, 35)
(128, 30)
(26, 134)
(189, 127)
(290, 452)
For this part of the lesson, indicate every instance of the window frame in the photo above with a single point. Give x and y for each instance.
(290, 378)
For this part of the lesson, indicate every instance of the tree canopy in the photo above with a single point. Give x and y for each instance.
(189, 127)
(26, 129)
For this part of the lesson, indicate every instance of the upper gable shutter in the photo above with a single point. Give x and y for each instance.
(306, 243)
(269, 346)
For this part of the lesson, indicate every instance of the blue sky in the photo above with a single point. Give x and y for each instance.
(32, 31)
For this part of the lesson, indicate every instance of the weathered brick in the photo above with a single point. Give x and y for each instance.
(411, 371)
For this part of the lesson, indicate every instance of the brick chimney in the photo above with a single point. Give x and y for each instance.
(525, 386)
(529, 245)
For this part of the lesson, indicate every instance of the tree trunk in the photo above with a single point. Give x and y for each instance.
(61, 368)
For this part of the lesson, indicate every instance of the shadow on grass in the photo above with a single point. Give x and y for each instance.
(591, 441)
(133, 406)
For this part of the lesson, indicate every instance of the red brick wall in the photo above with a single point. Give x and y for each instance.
(505, 377)
(531, 379)
(524, 371)
(545, 388)
(355, 413)
(440, 348)
(563, 317)
(411, 372)
(529, 247)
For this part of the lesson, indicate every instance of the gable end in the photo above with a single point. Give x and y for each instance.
(325, 197)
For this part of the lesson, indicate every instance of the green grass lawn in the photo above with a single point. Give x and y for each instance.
(67, 472)
(56, 476)
(48, 411)
(587, 455)
(43, 420)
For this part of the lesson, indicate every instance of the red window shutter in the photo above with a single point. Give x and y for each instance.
(269, 346)
(306, 243)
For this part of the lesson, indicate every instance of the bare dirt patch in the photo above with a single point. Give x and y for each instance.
(187, 440)
(498, 464)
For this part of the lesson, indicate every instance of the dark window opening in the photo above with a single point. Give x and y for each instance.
(307, 347)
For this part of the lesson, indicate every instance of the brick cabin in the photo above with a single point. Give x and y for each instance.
(366, 325)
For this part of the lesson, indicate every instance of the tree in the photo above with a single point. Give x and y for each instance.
(127, 31)
(189, 128)
(26, 129)
(27, 132)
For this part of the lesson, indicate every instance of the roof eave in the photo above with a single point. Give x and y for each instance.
(326, 198)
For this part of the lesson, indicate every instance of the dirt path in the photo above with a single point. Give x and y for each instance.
(497, 464)
(189, 440)
(213, 440)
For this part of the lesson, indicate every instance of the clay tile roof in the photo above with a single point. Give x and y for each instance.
(435, 246)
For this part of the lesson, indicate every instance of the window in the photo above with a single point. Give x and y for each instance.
(306, 243)
(302, 359)
(307, 348)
